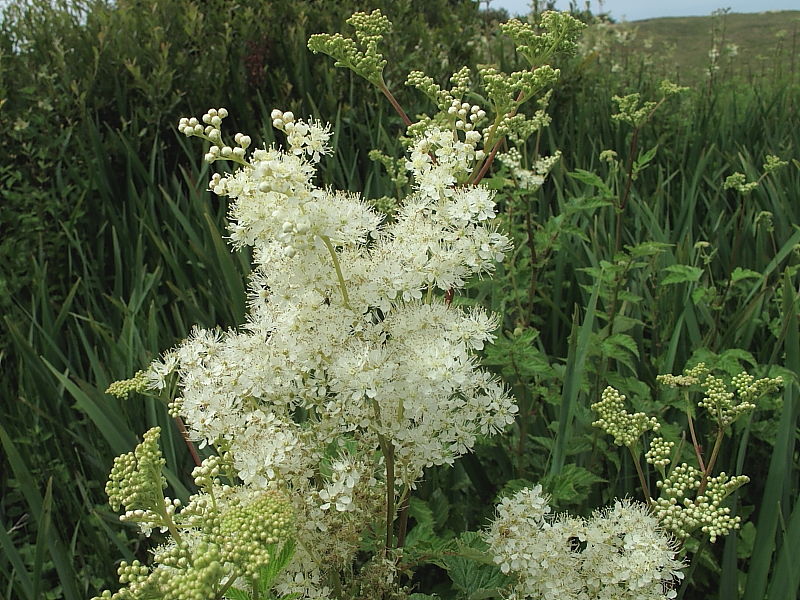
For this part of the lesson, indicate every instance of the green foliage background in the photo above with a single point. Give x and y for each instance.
(111, 250)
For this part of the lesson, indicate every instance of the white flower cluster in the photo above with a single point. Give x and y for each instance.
(619, 553)
(438, 157)
(346, 345)
(528, 179)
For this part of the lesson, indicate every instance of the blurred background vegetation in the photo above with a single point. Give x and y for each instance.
(111, 249)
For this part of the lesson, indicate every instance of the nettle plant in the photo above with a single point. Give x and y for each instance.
(354, 373)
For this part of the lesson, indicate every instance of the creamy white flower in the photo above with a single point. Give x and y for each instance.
(345, 342)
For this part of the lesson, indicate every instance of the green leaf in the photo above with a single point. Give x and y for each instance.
(472, 570)
(42, 537)
(571, 486)
(645, 159)
(422, 532)
(576, 361)
(591, 179)
(623, 340)
(237, 594)
(739, 274)
(647, 249)
(18, 569)
(280, 558)
(682, 274)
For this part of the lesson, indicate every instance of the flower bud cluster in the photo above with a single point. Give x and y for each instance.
(303, 138)
(625, 427)
(122, 389)
(135, 482)
(508, 90)
(773, 163)
(620, 552)
(207, 474)
(750, 389)
(528, 179)
(632, 110)
(209, 127)
(659, 452)
(519, 128)
(720, 402)
(559, 33)
(360, 55)
(191, 574)
(466, 115)
(675, 381)
(738, 181)
(229, 534)
(691, 376)
(681, 514)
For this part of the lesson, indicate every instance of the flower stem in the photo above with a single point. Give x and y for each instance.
(327, 241)
(395, 104)
(402, 523)
(227, 585)
(711, 461)
(640, 473)
(387, 449)
(189, 444)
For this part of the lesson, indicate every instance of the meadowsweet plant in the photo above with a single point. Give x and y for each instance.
(691, 496)
(352, 374)
(354, 371)
(738, 181)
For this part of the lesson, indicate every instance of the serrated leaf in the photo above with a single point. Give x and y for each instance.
(472, 570)
(645, 159)
(518, 356)
(440, 507)
(571, 486)
(422, 533)
(703, 295)
(626, 296)
(591, 179)
(582, 203)
(739, 274)
(498, 183)
(623, 340)
(280, 558)
(682, 274)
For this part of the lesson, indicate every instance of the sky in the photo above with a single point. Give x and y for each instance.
(635, 10)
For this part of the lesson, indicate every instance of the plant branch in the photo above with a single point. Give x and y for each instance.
(189, 444)
(395, 104)
(640, 473)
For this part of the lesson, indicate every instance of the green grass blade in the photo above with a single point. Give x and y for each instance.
(18, 571)
(780, 467)
(576, 360)
(36, 506)
(42, 536)
(103, 412)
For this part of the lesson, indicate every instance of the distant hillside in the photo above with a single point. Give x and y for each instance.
(752, 44)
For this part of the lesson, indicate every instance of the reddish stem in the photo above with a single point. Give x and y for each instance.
(189, 444)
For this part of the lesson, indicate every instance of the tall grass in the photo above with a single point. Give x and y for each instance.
(139, 257)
